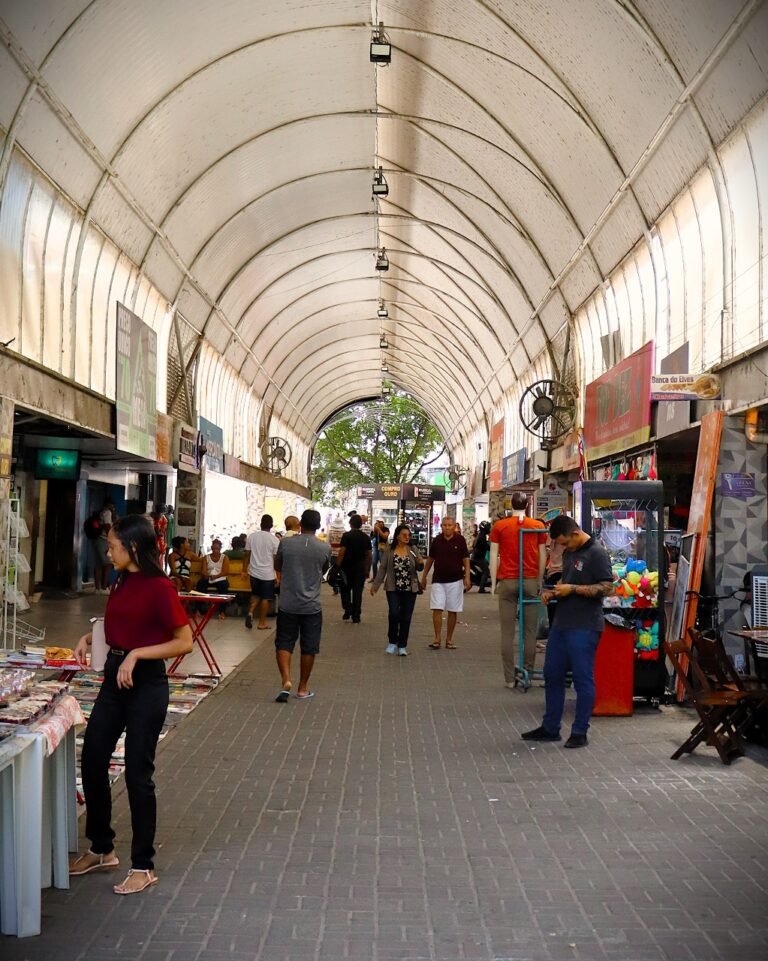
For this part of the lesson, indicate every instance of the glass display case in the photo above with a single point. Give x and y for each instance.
(627, 518)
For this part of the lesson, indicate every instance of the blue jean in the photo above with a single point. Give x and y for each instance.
(569, 649)
(401, 604)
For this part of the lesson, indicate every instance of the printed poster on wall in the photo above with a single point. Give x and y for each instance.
(617, 413)
(213, 439)
(135, 385)
(497, 453)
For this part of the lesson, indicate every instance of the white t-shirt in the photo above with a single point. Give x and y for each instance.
(263, 547)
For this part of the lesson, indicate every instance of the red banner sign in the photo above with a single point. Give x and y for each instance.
(617, 413)
(497, 454)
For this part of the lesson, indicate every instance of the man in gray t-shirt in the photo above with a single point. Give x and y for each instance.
(301, 561)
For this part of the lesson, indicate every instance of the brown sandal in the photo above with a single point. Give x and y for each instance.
(85, 863)
(434, 647)
(450, 647)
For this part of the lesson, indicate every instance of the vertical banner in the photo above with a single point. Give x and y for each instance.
(135, 385)
(497, 453)
(700, 514)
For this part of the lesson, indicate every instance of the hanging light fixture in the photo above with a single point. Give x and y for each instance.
(381, 48)
(380, 186)
(384, 367)
(382, 311)
(386, 389)
(382, 261)
(384, 343)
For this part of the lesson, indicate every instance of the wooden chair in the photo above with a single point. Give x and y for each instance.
(721, 712)
(713, 660)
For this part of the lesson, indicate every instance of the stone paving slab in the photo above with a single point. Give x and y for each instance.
(398, 816)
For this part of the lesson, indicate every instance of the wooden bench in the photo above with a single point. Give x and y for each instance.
(238, 580)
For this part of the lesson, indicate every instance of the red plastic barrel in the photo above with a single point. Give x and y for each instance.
(614, 672)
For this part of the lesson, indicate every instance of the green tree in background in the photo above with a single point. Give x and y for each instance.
(384, 442)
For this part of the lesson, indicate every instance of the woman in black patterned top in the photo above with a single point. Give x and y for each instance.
(398, 572)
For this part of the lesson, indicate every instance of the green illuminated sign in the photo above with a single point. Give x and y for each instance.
(57, 464)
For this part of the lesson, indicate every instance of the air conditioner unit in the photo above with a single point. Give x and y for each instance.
(760, 597)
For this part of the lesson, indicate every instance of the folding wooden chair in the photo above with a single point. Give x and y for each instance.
(721, 712)
(713, 660)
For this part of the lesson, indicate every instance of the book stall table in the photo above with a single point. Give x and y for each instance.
(198, 621)
(38, 814)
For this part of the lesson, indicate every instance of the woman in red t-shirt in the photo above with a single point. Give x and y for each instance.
(144, 623)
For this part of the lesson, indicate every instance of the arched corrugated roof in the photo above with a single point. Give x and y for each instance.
(229, 149)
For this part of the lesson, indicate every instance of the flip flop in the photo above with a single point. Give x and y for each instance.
(434, 647)
(265, 628)
(304, 697)
(450, 647)
(282, 697)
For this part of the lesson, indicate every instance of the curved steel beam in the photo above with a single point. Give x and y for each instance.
(358, 250)
(441, 387)
(288, 378)
(487, 289)
(353, 396)
(318, 394)
(441, 295)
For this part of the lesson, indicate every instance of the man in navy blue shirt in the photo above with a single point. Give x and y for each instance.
(575, 632)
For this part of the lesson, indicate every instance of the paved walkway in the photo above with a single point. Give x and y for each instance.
(399, 817)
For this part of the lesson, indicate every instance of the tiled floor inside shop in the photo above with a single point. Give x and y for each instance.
(398, 816)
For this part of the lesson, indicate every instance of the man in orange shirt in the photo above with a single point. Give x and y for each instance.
(506, 580)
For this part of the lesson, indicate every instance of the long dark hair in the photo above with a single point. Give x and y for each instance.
(136, 533)
(400, 527)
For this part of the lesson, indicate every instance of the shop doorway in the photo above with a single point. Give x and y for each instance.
(58, 557)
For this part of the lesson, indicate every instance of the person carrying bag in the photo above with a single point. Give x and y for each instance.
(398, 569)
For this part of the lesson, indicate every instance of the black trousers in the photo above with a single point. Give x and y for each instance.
(352, 593)
(140, 712)
(401, 604)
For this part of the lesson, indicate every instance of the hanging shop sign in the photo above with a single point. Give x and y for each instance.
(231, 465)
(164, 439)
(566, 457)
(673, 416)
(497, 452)
(617, 412)
(741, 486)
(550, 501)
(185, 447)
(478, 480)
(384, 492)
(513, 468)
(135, 385)
(424, 493)
(213, 440)
(679, 387)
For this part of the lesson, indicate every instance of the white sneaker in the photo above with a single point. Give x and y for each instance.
(402, 652)
(391, 649)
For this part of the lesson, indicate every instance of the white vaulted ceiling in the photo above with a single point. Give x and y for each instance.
(228, 148)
